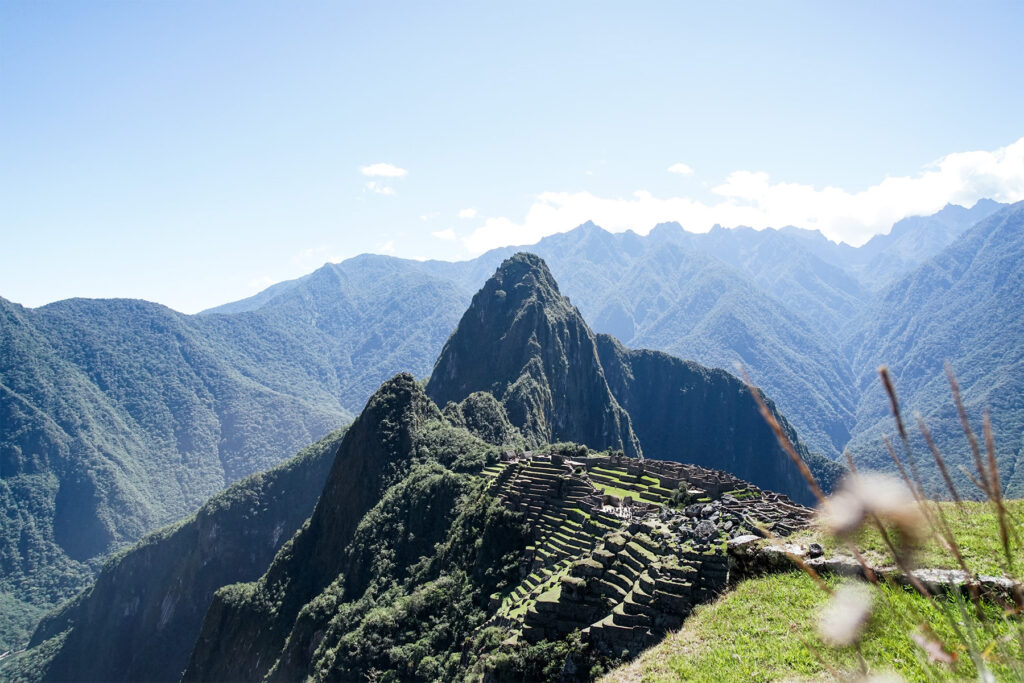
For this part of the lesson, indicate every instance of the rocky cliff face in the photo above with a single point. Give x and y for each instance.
(523, 342)
(686, 412)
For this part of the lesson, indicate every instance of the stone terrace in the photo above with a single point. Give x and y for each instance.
(623, 549)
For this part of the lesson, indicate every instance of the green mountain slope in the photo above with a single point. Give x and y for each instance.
(247, 626)
(966, 305)
(150, 600)
(94, 452)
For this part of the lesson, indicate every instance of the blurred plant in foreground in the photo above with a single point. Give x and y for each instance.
(964, 614)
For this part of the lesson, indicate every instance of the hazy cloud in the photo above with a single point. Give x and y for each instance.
(379, 188)
(681, 169)
(261, 283)
(446, 234)
(467, 213)
(383, 170)
(754, 199)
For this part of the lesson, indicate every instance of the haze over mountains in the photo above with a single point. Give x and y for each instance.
(137, 413)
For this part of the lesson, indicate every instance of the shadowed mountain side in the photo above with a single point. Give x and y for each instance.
(151, 600)
(685, 412)
(523, 342)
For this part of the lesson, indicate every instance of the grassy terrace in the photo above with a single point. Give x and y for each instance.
(617, 482)
(975, 528)
(755, 634)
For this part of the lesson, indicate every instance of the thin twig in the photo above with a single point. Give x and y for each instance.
(783, 440)
(895, 404)
(996, 488)
(940, 461)
(966, 425)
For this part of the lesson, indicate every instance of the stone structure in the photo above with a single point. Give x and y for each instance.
(623, 549)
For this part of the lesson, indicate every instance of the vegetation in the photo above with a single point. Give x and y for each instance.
(751, 634)
(975, 526)
(866, 626)
(151, 599)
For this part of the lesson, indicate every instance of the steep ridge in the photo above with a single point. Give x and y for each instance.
(686, 412)
(524, 343)
(965, 305)
(150, 600)
(246, 624)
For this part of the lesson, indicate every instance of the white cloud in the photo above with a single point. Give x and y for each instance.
(681, 169)
(429, 216)
(314, 257)
(261, 283)
(383, 170)
(446, 234)
(387, 247)
(467, 213)
(754, 199)
(379, 188)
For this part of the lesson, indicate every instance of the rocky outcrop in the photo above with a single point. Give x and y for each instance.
(523, 342)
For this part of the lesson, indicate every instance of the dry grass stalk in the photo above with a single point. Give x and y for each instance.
(939, 461)
(783, 440)
(997, 490)
(898, 416)
(965, 424)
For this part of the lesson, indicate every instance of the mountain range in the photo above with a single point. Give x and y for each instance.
(136, 414)
(406, 516)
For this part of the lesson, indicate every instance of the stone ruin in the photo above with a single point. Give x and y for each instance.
(624, 549)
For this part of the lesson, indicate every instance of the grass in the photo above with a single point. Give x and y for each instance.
(975, 528)
(615, 491)
(750, 634)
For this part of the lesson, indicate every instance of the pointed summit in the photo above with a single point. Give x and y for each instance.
(526, 344)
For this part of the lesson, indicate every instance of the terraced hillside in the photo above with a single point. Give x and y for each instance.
(622, 549)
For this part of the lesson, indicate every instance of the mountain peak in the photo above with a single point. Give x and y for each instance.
(524, 343)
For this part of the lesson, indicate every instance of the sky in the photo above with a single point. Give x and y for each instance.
(192, 153)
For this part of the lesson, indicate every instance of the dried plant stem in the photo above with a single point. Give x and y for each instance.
(895, 405)
(968, 432)
(783, 440)
(996, 489)
(940, 461)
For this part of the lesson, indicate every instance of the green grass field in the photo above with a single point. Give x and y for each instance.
(765, 630)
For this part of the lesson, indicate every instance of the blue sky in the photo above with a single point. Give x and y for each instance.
(192, 152)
